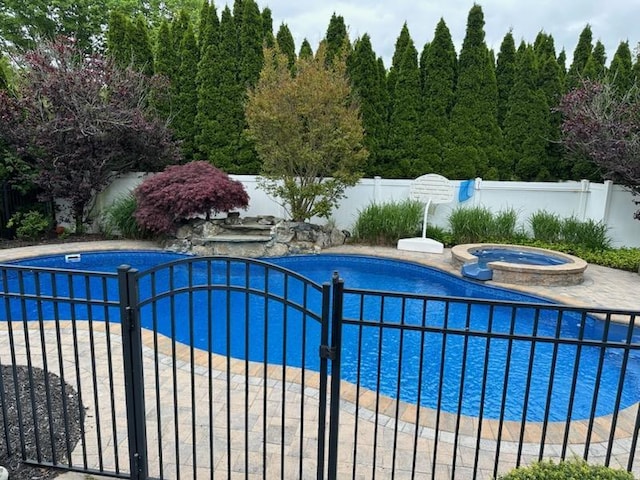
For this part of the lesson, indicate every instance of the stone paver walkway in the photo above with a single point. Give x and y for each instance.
(390, 424)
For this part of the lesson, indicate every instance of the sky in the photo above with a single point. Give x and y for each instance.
(612, 21)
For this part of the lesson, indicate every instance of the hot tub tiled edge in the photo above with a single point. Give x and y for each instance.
(570, 273)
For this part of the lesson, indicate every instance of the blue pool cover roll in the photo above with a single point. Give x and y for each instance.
(466, 190)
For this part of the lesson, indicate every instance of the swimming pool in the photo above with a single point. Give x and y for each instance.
(363, 347)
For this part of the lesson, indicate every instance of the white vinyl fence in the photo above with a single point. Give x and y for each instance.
(604, 202)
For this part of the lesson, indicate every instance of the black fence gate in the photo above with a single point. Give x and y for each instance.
(238, 368)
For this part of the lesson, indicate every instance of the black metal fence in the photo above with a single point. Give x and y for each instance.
(237, 368)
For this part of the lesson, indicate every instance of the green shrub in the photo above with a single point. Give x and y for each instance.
(504, 225)
(119, 220)
(386, 223)
(550, 228)
(471, 225)
(593, 235)
(30, 225)
(568, 470)
(479, 224)
(546, 226)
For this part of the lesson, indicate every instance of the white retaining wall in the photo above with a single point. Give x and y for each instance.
(606, 202)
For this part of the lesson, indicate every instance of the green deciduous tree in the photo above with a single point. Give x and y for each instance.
(476, 140)
(505, 75)
(440, 71)
(23, 24)
(307, 131)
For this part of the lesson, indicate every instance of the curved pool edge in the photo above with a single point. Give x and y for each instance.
(566, 274)
(22, 253)
(584, 295)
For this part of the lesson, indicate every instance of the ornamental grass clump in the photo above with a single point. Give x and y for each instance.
(181, 192)
(386, 223)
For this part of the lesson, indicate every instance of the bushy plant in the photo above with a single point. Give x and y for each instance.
(546, 226)
(471, 225)
(386, 223)
(589, 234)
(119, 219)
(30, 225)
(567, 470)
(185, 191)
(504, 225)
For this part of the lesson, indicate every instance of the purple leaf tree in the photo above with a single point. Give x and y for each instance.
(185, 191)
(604, 125)
(79, 120)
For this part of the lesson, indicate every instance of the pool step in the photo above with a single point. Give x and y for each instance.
(477, 271)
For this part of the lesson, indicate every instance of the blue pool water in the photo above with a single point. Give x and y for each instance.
(516, 256)
(222, 321)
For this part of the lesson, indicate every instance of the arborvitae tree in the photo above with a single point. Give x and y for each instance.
(337, 37)
(549, 82)
(286, 44)
(267, 27)
(166, 65)
(401, 44)
(403, 125)
(251, 36)
(440, 67)
(238, 7)
(636, 69)
(118, 47)
(306, 52)
(544, 45)
(178, 28)
(562, 63)
(141, 52)
(370, 88)
(187, 94)
(422, 62)
(621, 68)
(505, 74)
(220, 114)
(476, 139)
(526, 125)
(595, 68)
(209, 27)
(580, 58)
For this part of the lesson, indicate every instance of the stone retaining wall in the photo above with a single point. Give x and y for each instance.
(263, 236)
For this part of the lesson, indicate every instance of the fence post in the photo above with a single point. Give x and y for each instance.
(325, 354)
(133, 374)
(336, 345)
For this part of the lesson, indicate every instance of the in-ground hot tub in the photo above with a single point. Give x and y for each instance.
(517, 264)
